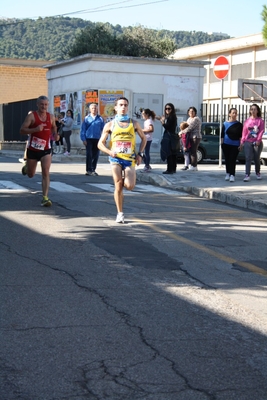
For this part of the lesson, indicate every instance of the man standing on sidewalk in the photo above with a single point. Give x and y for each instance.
(122, 153)
(90, 133)
(39, 125)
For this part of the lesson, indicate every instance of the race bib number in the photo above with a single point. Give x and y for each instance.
(123, 147)
(38, 144)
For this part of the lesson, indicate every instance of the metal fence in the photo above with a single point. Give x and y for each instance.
(212, 112)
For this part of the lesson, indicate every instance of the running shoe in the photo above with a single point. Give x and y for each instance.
(227, 177)
(24, 169)
(120, 218)
(232, 178)
(94, 173)
(145, 169)
(247, 178)
(258, 176)
(46, 202)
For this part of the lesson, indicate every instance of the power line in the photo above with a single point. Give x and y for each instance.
(91, 10)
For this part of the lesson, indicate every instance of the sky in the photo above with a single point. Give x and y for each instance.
(235, 18)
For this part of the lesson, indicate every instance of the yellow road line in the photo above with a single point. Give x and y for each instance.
(250, 267)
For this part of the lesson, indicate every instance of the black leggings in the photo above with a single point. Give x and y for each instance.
(230, 155)
(172, 163)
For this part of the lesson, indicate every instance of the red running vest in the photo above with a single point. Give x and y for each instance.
(39, 141)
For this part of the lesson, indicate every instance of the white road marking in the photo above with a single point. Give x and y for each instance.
(63, 187)
(110, 188)
(140, 189)
(158, 189)
(9, 186)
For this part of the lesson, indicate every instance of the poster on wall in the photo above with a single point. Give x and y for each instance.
(80, 101)
(60, 104)
(69, 101)
(88, 96)
(77, 109)
(74, 103)
(107, 100)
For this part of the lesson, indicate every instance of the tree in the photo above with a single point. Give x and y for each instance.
(97, 39)
(142, 42)
(264, 30)
(133, 41)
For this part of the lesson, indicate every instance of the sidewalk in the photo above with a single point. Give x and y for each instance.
(208, 182)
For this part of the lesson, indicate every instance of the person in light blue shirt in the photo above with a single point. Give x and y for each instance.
(90, 133)
(230, 137)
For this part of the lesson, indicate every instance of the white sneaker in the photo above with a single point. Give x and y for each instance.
(120, 218)
(191, 168)
(232, 178)
(145, 169)
(247, 178)
(258, 176)
(227, 177)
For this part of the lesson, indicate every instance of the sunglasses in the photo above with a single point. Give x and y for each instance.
(167, 108)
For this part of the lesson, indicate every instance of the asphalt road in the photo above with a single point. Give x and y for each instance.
(171, 305)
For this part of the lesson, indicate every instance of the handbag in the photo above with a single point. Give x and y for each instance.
(175, 142)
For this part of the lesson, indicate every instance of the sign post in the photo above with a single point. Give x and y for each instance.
(221, 69)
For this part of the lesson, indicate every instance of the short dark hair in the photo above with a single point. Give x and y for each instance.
(121, 98)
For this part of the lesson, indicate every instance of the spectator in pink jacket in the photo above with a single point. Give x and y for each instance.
(251, 140)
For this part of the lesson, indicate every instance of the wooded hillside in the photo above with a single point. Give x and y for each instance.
(51, 38)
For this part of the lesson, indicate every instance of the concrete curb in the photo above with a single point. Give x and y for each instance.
(207, 193)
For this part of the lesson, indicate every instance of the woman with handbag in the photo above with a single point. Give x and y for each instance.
(170, 141)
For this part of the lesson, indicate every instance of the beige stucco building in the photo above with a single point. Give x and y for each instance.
(247, 57)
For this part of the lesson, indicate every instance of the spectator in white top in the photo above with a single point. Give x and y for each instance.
(149, 117)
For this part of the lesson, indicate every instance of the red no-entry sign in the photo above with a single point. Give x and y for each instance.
(221, 67)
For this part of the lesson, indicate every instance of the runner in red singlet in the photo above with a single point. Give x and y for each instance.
(39, 125)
